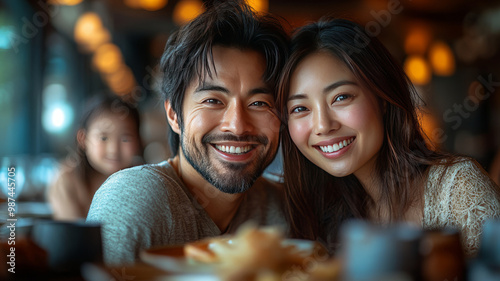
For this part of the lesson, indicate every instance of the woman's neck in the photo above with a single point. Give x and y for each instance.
(380, 210)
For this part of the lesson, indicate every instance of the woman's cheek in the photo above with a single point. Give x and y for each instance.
(299, 132)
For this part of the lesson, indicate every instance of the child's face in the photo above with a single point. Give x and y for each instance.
(111, 143)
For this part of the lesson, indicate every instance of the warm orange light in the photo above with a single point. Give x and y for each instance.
(89, 32)
(186, 10)
(121, 82)
(135, 4)
(442, 59)
(418, 70)
(121, 78)
(417, 40)
(153, 5)
(259, 5)
(65, 2)
(107, 58)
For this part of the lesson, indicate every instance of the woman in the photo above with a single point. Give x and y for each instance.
(354, 147)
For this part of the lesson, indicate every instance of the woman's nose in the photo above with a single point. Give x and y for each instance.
(324, 121)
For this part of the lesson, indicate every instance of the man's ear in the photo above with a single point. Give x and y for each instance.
(80, 138)
(172, 117)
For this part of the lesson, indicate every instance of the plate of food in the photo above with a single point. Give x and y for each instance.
(249, 252)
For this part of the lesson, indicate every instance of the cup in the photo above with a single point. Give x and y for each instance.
(372, 252)
(443, 256)
(68, 244)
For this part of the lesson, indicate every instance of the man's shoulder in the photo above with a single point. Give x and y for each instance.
(146, 172)
(149, 179)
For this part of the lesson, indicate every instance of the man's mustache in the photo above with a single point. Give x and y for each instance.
(230, 137)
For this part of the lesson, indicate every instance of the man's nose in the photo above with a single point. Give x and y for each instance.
(236, 119)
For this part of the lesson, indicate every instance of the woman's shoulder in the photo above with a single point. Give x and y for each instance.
(458, 175)
(455, 169)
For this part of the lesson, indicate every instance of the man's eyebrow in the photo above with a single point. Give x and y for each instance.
(326, 90)
(210, 87)
(261, 90)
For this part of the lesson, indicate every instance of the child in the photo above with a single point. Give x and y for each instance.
(108, 140)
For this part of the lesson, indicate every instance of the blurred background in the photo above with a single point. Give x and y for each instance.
(55, 54)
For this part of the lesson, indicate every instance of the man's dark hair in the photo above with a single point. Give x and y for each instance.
(188, 51)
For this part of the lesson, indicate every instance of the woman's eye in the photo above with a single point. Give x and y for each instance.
(298, 109)
(342, 97)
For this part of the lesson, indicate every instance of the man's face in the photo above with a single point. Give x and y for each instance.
(230, 131)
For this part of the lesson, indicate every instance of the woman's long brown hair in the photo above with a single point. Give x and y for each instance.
(317, 202)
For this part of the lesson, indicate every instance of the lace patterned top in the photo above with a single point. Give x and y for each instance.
(463, 198)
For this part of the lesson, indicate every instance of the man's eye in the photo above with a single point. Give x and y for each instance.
(260, 104)
(212, 101)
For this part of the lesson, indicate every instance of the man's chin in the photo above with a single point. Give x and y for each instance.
(235, 182)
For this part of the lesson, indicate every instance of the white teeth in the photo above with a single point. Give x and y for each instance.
(233, 149)
(336, 146)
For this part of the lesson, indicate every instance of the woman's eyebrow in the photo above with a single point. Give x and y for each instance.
(326, 90)
(297, 97)
(337, 84)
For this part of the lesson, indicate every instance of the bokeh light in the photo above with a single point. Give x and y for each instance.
(57, 117)
(186, 10)
(259, 5)
(417, 40)
(65, 2)
(441, 59)
(107, 58)
(418, 70)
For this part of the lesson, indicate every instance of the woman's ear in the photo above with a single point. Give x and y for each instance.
(80, 138)
(172, 117)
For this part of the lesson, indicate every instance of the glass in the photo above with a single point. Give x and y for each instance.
(373, 252)
(12, 176)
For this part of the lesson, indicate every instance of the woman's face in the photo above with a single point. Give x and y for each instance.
(334, 122)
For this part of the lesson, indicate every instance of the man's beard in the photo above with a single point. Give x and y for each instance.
(227, 177)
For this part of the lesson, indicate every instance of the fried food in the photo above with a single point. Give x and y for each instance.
(261, 254)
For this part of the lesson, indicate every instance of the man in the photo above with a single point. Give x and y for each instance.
(220, 73)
